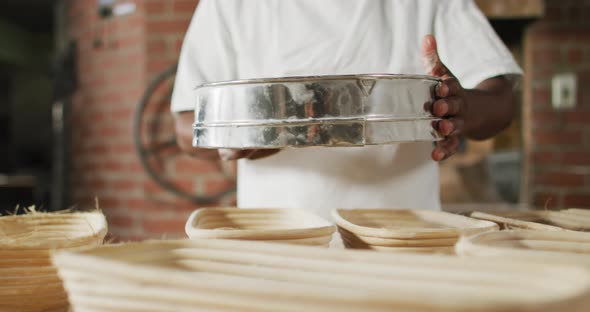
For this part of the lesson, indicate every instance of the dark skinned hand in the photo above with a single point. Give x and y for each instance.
(449, 105)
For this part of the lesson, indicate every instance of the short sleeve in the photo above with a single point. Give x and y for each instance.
(206, 55)
(468, 44)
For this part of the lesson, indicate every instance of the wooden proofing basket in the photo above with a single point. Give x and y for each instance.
(585, 213)
(538, 220)
(28, 280)
(562, 247)
(228, 275)
(289, 226)
(405, 230)
(581, 217)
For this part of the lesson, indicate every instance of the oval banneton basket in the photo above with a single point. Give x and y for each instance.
(28, 280)
(538, 220)
(422, 231)
(289, 226)
(561, 247)
(228, 275)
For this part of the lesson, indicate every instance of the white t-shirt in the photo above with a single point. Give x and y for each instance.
(237, 39)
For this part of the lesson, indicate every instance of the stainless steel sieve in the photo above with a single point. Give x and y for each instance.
(348, 110)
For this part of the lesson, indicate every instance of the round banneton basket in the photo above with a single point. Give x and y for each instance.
(287, 226)
(562, 247)
(421, 231)
(28, 280)
(228, 275)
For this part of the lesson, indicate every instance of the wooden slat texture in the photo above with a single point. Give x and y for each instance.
(226, 275)
(28, 281)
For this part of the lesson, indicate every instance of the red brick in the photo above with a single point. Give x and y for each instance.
(110, 131)
(179, 205)
(134, 167)
(145, 205)
(120, 221)
(151, 187)
(545, 117)
(172, 26)
(114, 165)
(577, 117)
(191, 166)
(124, 185)
(541, 73)
(541, 96)
(131, 22)
(184, 6)
(83, 200)
(156, 164)
(575, 56)
(540, 157)
(124, 148)
(546, 56)
(165, 150)
(178, 46)
(123, 113)
(88, 166)
(185, 185)
(553, 14)
(155, 6)
(557, 138)
(160, 226)
(112, 78)
(559, 179)
(577, 201)
(156, 47)
(107, 201)
(158, 65)
(576, 158)
(130, 42)
(218, 185)
(95, 183)
(545, 200)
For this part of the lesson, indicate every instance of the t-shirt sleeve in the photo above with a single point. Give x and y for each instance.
(468, 44)
(206, 55)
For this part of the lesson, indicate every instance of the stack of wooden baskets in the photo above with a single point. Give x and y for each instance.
(405, 230)
(289, 226)
(28, 281)
(227, 275)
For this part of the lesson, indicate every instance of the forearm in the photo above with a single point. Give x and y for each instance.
(489, 108)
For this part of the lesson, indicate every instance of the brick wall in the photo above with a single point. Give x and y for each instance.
(117, 58)
(558, 141)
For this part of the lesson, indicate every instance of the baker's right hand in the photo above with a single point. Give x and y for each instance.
(233, 154)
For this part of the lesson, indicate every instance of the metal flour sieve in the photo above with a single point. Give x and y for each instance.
(348, 110)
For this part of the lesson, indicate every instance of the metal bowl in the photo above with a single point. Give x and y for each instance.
(350, 110)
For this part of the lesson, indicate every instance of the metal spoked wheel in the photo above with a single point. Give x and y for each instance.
(155, 141)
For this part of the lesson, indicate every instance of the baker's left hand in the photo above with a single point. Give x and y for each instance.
(450, 103)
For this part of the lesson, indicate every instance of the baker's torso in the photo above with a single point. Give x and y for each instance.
(334, 37)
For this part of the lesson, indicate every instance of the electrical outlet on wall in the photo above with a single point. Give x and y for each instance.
(564, 91)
